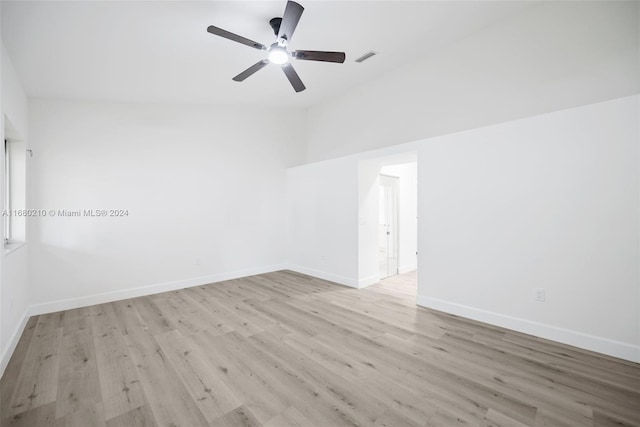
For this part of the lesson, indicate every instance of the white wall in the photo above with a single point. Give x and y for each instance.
(13, 265)
(322, 222)
(15, 103)
(332, 220)
(204, 188)
(546, 202)
(4, 355)
(554, 56)
(550, 201)
(368, 218)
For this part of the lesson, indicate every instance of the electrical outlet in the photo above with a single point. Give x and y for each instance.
(538, 294)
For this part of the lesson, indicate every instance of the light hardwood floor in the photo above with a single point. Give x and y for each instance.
(283, 349)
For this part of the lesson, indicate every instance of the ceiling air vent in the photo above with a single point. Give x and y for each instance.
(366, 56)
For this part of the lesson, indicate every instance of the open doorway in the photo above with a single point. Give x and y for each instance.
(388, 226)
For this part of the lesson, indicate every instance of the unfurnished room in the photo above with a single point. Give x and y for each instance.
(320, 213)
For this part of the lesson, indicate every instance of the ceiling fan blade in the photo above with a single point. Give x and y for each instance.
(251, 70)
(318, 55)
(236, 38)
(292, 14)
(293, 77)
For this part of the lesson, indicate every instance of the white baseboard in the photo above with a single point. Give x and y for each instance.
(347, 281)
(407, 268)
(368, 281)
(565, 336)
(13, 342)
(84, 301)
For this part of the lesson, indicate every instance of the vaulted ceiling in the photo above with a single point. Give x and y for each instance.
(160, 51)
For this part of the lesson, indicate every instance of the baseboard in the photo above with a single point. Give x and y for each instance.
(353, 283)
(565, 336)
(84, 301)
(13, 342)
(407, 268)
(368, 281)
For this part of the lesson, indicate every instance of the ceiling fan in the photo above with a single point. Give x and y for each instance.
(278, 52)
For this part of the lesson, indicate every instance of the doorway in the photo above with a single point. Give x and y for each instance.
(387, 217)
(388, 226)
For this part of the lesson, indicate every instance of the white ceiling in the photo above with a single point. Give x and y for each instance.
(160, 51)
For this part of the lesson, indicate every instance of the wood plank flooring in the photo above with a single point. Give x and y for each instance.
(284, 349)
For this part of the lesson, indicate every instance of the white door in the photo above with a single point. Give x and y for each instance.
(388, 226)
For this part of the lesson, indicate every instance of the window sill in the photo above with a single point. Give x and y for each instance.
(13, 246)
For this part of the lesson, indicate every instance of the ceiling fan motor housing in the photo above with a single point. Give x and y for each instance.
(275, 24)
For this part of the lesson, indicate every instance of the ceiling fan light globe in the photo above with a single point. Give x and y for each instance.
(278, 56)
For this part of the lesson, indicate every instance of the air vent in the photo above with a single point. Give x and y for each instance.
(366, 56)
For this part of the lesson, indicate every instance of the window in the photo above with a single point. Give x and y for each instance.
(7, 193)
(14, 215)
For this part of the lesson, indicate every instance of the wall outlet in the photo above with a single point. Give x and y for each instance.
(538, 294)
